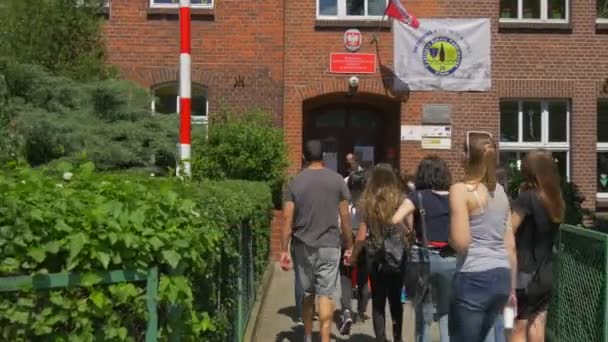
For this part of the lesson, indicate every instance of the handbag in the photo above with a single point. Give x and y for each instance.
(417, 278)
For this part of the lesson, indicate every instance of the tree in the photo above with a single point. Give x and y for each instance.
(64, 36)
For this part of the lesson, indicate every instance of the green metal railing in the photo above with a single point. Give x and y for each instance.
(579, 302)
(66, 279)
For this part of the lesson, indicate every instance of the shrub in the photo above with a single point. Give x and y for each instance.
(50, 117)
(116, 221)
(242, 147)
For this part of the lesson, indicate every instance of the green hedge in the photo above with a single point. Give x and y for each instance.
(115, 221)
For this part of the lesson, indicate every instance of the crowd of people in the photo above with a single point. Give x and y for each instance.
(466, 255)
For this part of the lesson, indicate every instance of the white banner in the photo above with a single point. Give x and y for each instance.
(444, 54)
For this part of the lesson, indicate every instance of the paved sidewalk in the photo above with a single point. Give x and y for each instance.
(275, 319)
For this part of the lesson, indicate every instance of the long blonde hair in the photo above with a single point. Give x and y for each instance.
(381, 198)
(480, 165)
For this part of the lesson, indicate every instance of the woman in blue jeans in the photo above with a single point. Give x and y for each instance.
(432, 183)
(482, 236)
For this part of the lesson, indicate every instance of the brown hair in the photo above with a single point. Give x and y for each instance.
(480, 165)
(381, 198)
(542, 176)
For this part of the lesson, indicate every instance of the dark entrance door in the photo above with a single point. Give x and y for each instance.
(347, 128)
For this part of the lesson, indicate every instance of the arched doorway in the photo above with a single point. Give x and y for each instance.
(367, 125)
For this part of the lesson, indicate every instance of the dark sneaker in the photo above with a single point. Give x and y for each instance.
(347, 322)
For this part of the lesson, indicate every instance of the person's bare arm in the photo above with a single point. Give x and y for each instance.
(288, 209)
(405, 209)
(360, 241)
(511, 250)
(460, 231)
(345, 226)
(517, 218)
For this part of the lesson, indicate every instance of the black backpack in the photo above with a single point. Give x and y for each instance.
(390, 254)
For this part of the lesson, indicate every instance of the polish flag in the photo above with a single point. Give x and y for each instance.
(396, 10)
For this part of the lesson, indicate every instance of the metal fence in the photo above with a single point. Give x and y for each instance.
(578, 308)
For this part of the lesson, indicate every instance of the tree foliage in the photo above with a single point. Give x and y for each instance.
(63, 36)
(47, 117)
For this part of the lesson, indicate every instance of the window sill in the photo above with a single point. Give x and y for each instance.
(601, 26)
(532, 27)
(321, 24)
(204, 14)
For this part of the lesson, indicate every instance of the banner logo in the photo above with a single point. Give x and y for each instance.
(442, 56)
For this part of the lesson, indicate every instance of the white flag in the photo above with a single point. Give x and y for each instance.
(444, 54)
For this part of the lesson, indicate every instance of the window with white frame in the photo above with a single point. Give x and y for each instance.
(602, 11)
(602, 149)
(166, 100)
(175, 3)
(531, 124)
(535, 11)
(350, 9)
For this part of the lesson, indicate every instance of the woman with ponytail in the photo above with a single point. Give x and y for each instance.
(537, 213)
(481, 235)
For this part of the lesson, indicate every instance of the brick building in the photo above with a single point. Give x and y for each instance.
(549, 66)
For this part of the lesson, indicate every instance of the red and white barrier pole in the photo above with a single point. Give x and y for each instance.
(185, 86)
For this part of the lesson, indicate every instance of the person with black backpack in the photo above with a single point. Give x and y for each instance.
(385, 244)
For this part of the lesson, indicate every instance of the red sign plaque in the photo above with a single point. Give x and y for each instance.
(352, 63)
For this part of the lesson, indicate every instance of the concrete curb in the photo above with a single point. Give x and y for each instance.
(252, 325)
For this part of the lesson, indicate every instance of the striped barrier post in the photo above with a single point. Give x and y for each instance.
(185, 105)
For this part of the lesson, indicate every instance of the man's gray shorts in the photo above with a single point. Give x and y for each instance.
(317, 268)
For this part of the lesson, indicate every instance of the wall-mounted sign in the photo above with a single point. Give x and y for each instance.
(411, 133)
(351, 63)
(352, 40)
(436, 114)
(437, 137)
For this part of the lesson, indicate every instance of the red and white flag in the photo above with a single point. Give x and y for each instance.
(396, 11)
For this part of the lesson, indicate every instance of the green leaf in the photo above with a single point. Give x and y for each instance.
(89, 279)
(104, 258)
(122, 333)
(87, 169)
(37, 253)
(52, 247)
(98, 298)
(171, 257)
(155, 243)
(76, 243)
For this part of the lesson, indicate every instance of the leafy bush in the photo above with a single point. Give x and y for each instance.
(49, 117)
(64, 36)
(242, 147)
(116, 221)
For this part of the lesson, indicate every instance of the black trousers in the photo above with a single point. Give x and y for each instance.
(363, 294)
(386, 286)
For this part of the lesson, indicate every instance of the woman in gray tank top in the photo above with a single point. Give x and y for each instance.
(481, 234)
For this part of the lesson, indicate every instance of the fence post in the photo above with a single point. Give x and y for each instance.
(151, 294)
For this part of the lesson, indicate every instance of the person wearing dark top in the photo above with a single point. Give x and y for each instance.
(355, 182)
(379, 201)
(537, 213)
(432, 182)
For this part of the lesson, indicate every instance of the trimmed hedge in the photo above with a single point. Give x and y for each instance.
(99, 222)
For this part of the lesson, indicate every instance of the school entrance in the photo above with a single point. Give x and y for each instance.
(365, 124)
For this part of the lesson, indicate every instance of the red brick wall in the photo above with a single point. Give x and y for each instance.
(239, 38)
(537, 65)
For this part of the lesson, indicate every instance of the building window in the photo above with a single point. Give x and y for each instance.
(531, 124)
(350, 9)
(166, 101)
(175, 3)
(602, 149)
(602, 11)
(535, 11)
